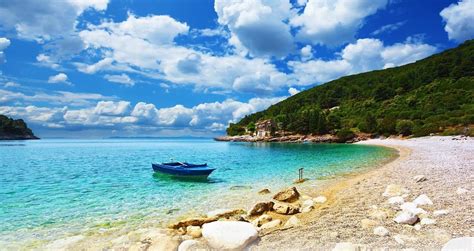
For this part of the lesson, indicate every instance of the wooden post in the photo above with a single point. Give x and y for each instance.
(300, 174)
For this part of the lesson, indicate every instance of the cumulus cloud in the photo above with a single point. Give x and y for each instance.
(459, 20)
(4, 43)
(363, 55)
(93, 68)
(121, 79)
(53, 98)
(333, 22)
(293, 91)
(112, 108)
(257, 26)
(59, 78)
(306, 52)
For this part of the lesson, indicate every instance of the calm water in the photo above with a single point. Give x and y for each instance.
(55, 188)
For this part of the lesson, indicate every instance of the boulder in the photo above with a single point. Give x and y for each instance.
(191, 222)
(261, 208)
(381, 231)
(461, 190)
(419, 178)
(264, 218)
(320, 199)
(422, 200)
(270, 225)
(427, 221)
(264, 191)
(459, 244)
(191, 245)
(366, 223)
(394, 190)
(286, 209)
(405, 217)
(287, 195)
(194, 231)
(397, 200)
(293, 221)
(438, 213)
(225, 213)
(229, 235)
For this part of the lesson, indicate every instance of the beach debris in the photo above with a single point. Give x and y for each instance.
(381, 231)
(461, 190)
(427, 221)
(264, 191)
(229, 235)
(287, 195)
(225, 213)
(367, 223)
(394, 190)
(194, 231)
(459, 244)
(419, 178)
(286, 209)
(293, 221)
(397, 200)
(320, 199)
(262, 219)
(261, 208)
(270, 225)
(423, 199)
(308, 205)
(412, 208)
(191, 222)
(438, 213)
(406, 217)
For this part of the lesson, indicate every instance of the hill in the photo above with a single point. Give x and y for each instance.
(11, 129)
(433, 95)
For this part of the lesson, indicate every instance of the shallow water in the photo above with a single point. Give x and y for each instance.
(55, 188)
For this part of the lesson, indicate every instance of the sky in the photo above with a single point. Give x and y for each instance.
(105, 68)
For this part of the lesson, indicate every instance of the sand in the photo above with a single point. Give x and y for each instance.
(447, 163)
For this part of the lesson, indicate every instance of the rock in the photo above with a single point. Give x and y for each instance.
(459, 244)
(394, 190)
(397, 200)
(240, 188)
(305, 197)
(307, 209)
(419, 178)
(378, 214)
(427, 221)
(261, 208)
(417, 227)
(225, 213)
(229, 235)
(461, 190)
(381, 231)
(345, 246)
(405, 217)
(191, 222)
(366, 223)
(194, 231)
(270, 225)
(264, 191)
(264, 218)
(190, 245)
(293, 221)
(284, 208)
(308, 205)
(287, 195)
(438, 213)
(65, 243)
(412, 208)
(422, 200)
(320, 199)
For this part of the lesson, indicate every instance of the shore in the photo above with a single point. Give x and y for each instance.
(356, 205)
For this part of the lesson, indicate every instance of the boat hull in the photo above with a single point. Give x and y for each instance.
(195, 171)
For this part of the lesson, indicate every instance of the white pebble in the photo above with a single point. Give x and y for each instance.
(461, 190)
(427, 221)
(320, 199)
(440, 213)
(381, 231)
(397, 200)
(422, 200)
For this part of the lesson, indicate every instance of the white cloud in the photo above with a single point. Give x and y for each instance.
(293, 91)
(363, 55)
(306, 52)
(4, 43)
(53, 98)
(11, 84)
(389, 28)
(333, 22)
(93, 68)
(112, 108)
(121, 79)
(257, 25)
(46, 60)
(459, 20)
(59, 78)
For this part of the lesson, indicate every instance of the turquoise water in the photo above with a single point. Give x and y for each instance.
(55, 188)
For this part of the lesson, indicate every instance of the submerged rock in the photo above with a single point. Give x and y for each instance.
(287, 195)
(261, 208)
(381, 231)
(286, 209)
(264, 191)
(229, 235)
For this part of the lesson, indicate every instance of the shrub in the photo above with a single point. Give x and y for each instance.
(345, 135)
(405, 127)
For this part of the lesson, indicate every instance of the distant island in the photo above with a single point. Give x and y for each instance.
(14, 129)
(431, 96)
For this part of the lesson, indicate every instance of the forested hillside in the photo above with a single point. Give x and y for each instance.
(14, 129)
(433, 95)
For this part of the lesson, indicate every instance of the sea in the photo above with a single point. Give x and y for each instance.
(57, 188)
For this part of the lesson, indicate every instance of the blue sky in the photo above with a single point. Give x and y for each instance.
(103, 68)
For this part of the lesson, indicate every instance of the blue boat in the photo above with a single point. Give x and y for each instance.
(183, 169)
